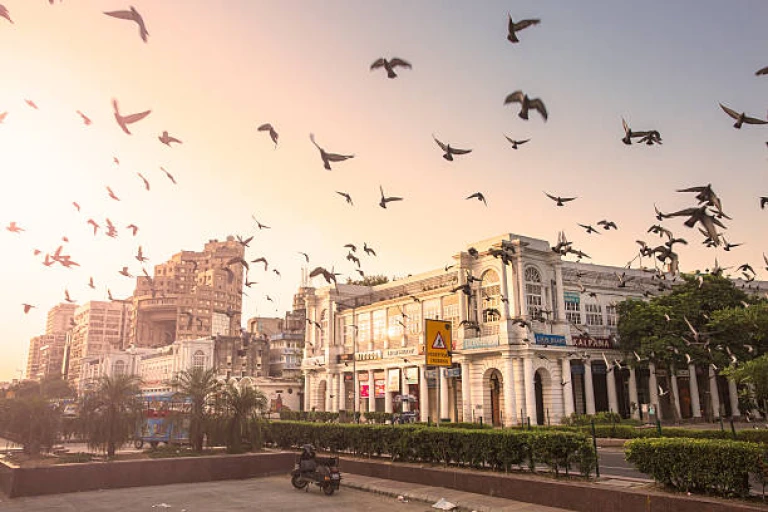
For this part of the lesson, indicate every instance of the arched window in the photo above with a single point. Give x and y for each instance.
(534, 293)
(198, 359)
(490, 289)
(118, 368)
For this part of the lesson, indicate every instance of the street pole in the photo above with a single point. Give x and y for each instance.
(439, 394)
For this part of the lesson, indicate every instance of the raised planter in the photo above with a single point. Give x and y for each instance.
(62, 478)
(567, 494)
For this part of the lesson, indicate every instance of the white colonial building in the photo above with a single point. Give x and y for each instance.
(368, 352)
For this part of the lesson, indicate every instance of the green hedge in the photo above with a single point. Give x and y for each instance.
(718, 467)
(497, 449)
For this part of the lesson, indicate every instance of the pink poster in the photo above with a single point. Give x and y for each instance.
(364, 390)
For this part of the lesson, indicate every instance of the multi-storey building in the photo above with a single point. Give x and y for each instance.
(46, 352)
(60, 318)
(100, 327)
(192, 295)
(533, 339)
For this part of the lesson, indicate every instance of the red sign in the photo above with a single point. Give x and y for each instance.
(364, 390)
(594, 342)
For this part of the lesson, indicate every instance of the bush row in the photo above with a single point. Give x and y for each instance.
(709, 466)
(486, 448)
(629, 432)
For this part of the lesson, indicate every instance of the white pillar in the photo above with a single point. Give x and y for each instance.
(610, 380)
(693, 383)
(504, 293)
(713, 393)
(675, 389)
(653, 389)
(387, 394)
(589, 387)
(423, 394)
(510, 405)
(734, 395)
(307, 392)
(443, 383)
(466, 391)
(521, 308)
(633, 394)
(568, 404)
(560, 293)
(371, 392)
(530, 391)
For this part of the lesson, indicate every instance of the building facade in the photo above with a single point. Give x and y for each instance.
(533, 339)
(45, 355)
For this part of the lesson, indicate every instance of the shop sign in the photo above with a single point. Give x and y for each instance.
(549, 339)
(362, 377)
(481, 342)
(314, 361)
(346, 357)
(380, 388)
(368, 356)
(431, 374)
(400, 352)
(411, 375)
(393, 380)
(600, 342)
(572, 297)
(364, 390)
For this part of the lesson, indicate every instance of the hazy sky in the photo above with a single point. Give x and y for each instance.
(211, 73)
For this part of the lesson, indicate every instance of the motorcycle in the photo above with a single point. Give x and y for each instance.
(321, 471)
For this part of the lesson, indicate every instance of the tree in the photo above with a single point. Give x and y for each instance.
(369, 280)
(112, 412)
(196, 385)
(32, 421)
(240, 406)
(743, 329)
(754, 374)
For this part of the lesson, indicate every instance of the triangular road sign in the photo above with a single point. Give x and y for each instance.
(439, 343)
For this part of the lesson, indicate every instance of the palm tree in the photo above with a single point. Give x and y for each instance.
(240, 406)
(112, 412)
(196, 385)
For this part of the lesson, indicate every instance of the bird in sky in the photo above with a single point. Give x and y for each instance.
(346, 196)
(390, 65)
(124, 272)
(328, 276)
(701, 215)
(170, 176)
(145, 180)
(479, 196)
(124, 121)
(132, 227)
(132, 15)
(67, 296)
(86, 120)
(167, 139)
(526, 104)
(328, 157)
(368, 250)
(267, 127)
(763, 71)
(607, 225)
(306, 256)
(90, 283)
(560, 200)
(354, 259)
(351, 247)
(3, 116)
(763, 202)
(244, 241)
(140, 256)
(516, 143)
(32, 104)
(513, 27)
(27, 307)
(4, 13)
(94, 224)
(449, 151)
(262, 259)
(589, 228)
(384, 200)
(76, 205)
(741, 118)
(112, 194)
(259, 224)
(14, 228)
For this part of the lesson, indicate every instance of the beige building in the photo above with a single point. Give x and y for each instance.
(100, 327)
(60, 318)
(46, 352)
(193, 295)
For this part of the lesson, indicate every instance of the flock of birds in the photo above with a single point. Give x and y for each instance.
(707, 213)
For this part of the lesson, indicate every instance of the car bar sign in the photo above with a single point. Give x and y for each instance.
(437, 343)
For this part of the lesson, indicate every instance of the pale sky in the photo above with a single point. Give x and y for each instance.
(211, 73)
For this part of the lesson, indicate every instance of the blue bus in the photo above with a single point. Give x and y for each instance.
(165, 420)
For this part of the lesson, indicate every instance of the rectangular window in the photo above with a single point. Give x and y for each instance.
(395, 323)
(379, 326)
(364, 328)
(594, 314)
(611, 317)
(413, 321)
(573, 307)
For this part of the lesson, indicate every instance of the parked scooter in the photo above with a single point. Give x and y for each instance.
(321, 471)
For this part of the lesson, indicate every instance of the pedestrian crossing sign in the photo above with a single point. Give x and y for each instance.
(437, 343)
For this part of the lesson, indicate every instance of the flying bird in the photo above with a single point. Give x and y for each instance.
(763, 201)
(267, 127)
(2, 116)
(90, 283)
(516, 143)
(259, 224)
(14, 228)
(351, 247)
(479, 196)
(132, 15)
(145, 180)
(560, 200)
(763, 71)
(513, 27)
(390, 65)
(94, 224)
(328, 276)
(741, 117)
(306, 256)
(368, 250)
(132, 227)
(607, 225)
(328, 157)
(244, 241)
(526, 104)
(112, 194)
(384, 200)
(262, 260)
(167, 139)
(5, 14)
(449, 151)
(346, 196)
(125, 272)
(124, 121)
(140, 256)
(86, 120)
(170, 176)
(67, 297)
(76, 205)
(27, 307)
(589, 228)
(32, 104)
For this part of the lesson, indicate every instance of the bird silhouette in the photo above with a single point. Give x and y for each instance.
(86, 120)
(741, 118)
(513, 28)
(516, 143)
(368, 250)
(67, 296)
(763, 202)
(132, 15)
(259, 224)
(124, 121)
(262, 260)
(607, 225)
(328, 157)
(90, 283)
(384, 200)
(589, 228)
(140, 256)
(306, 256)
(4, 13)
(170, 176)
(124, 272)
(14, 228)
(145, 180)
(449, 151)
(351, 247)
(167, 139)
(267, 127)
(133, 227)
(763, 71)
(346, 196)
(526, 104)
(390, 65)
(321, 271)
(244, 241)
(112, 194)
(479, 196)
(32, 104)
(27, 307)
(560, 200)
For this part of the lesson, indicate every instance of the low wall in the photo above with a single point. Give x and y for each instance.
(570, 495)
(62, 478)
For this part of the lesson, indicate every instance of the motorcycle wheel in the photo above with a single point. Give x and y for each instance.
(298, 482)
(328, 489)
(138, 443)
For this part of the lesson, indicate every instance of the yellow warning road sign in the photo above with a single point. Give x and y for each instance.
(437, 343)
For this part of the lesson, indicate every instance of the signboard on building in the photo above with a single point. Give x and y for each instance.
(380, 388)
(393, 379)
(572, 297)
(600, 342)
(411, 375)
(400, 352)
(437, 342)
(364, 390)
(549, 339)
(368, 356)
(314, 361)
(346, 357)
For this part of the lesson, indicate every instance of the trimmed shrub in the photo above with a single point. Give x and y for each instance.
(718, 467)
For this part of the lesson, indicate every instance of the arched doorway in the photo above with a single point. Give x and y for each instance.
(539, 390)
(495, 390)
